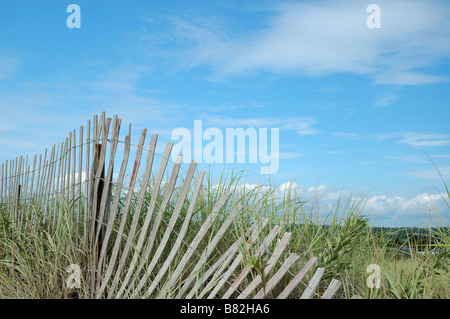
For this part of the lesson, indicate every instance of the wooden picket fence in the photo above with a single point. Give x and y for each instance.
(149, 258)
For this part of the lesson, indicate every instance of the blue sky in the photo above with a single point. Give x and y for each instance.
(356, 107)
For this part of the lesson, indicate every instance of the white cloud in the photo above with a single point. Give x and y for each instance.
(328, 36)
(409, 158)
(422, 140)
(386, 210)
(288, 186)
(301, 125)
(420, 204)
(290, 155)
(414, 139)
(431, 173)
(391, 208)
(407, 78)
(386, 100)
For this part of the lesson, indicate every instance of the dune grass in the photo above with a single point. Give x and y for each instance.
(35, 253)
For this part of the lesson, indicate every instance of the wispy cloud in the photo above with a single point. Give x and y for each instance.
(409, 138)
(300, 125)
(386, 100)
(431, 173)
(409, 158)
(235, 106)
(377, 163)
(40, 113)
(326, 37)
(290, 155)
(423, 140)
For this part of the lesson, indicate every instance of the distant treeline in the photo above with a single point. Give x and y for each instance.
(397, 236)
(414, 235)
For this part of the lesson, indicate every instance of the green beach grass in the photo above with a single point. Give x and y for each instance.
(35, 253)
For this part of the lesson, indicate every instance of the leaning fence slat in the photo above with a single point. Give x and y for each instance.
(19, 178)
(12, 182)
(1, 184)
(74, 164)
(27, 183)
(12, 173)
(211, 246)
(49, 184)
(38, 180)
(6, 181)
(6, 190)
(16, 186)
(138, 209)
(297, 279)
(18, 190)
(94, 130)
(224, 261)
(99, 171)
(56, 185)
(69, 163)
(270, 264)
(87, 182)
(182, 232)
(332, 289)
(313, 284)
(12, 191)
(277, 277)
(50, 180)
(114, 209)
(33, 171)
(80, 173)
(165, 201)
(54, 190)
(43, 179)
(92, 170)
(64, 170)
(173, 220)
(152, 238)
(125, 212)
(197, 239)
(151, 207)
(25, 180)
(262, 248)
(101, 126)
(107, 181)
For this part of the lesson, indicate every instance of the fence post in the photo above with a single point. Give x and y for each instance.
(101, 184)
(18, 194)
(96, 210)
